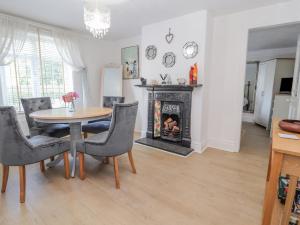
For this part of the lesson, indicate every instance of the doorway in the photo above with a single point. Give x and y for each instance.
(269, 78)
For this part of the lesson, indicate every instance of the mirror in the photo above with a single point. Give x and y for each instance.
(169, 59)
(190, 50)
(112, 81)
(151, 52)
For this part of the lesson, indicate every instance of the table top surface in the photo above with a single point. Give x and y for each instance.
(283, 145)
(63, 114)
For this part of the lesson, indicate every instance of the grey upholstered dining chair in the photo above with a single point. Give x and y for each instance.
(114, 142)
(108, 101)
(98, 126)
(31, 105)
(17, 150)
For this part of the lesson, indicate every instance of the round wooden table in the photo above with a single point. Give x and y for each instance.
(74, 119)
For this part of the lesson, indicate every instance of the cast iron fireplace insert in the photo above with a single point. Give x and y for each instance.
(169, 118)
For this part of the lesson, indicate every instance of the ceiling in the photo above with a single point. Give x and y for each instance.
(128, 16)
(274, 37)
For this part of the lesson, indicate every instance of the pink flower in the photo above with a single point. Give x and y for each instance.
(70, 97)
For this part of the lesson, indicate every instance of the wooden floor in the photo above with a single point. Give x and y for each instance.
(212, 188)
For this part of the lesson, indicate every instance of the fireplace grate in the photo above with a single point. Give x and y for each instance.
(171, 121)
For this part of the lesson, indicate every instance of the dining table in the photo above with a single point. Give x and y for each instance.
(75, 119)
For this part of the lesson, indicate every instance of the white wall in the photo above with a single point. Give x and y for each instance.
(267, 54)
(191, 27)
(96, 54)
(130, 92)
(227, 64)
(217, 106)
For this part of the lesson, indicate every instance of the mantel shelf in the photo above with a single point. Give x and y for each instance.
(166, 87)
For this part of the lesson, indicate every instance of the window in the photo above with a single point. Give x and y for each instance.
(38, 71)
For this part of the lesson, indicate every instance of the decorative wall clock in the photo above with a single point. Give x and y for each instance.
(151, 52)
(190, 50)
(169, 59)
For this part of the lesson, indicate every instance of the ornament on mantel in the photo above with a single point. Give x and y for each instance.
(163, 78)
(194, 74)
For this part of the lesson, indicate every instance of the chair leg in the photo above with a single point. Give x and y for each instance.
(85, 135)
(42, 166)
(131, 161)
(116, 169)
(52, 158)
(4, 178)
(81, 166)
(22, 175)
(67, 165)
(106, 160)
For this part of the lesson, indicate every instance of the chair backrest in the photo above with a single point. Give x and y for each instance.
(121, 130)
(12, 140)
(108, 101)
(31, 105)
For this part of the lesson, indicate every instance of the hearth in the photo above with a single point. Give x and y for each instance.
(169, 118)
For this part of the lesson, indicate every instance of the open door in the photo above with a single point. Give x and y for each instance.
(294, 112)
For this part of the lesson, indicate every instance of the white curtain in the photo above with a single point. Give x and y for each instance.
(69, 50)
(12, 38)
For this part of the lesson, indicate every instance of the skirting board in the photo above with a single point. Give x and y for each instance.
(143, 133)
(225, 145)
(197, 146)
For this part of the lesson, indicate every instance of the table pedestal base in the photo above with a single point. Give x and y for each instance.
(75, 135)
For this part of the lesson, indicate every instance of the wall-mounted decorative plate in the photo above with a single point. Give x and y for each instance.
(169, 59)
(151, 52)
(190, 50)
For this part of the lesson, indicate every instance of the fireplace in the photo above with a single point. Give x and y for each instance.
(169, 118)
(171, 121)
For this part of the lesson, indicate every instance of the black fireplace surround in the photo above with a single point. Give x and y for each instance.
(176, 95)
(176, 102)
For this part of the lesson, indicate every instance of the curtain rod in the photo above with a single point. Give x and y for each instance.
(46, 26)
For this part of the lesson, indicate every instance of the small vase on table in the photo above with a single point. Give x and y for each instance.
(69, 99)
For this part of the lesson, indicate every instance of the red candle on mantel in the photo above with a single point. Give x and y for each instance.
(191, 75)
(195, 77)
(194, 74)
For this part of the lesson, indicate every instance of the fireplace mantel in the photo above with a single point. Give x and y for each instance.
(166, 87)
(159, 95)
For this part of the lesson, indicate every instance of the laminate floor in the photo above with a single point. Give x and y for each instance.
(212, 188)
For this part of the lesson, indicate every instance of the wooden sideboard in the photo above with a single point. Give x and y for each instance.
(284, 159)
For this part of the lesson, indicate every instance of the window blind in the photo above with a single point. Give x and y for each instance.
(38, 71)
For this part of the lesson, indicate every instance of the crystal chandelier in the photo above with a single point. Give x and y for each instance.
(96, 18)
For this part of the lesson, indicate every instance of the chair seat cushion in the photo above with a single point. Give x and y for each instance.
(96, 127)
(103, 119)
(56, 130)
(98, 139)
(43, 147)
(44, 141)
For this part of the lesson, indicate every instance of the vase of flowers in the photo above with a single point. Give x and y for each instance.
(69, 99)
